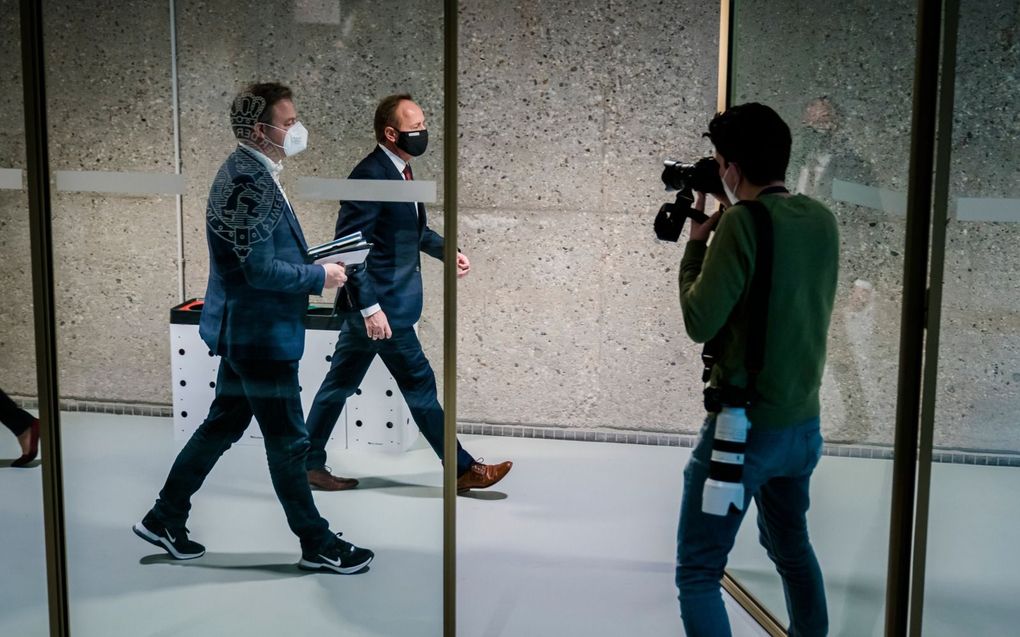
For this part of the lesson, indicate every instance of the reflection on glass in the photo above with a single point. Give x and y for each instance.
(843, 95)
(972, 570)
(149, 426)
(23, 603)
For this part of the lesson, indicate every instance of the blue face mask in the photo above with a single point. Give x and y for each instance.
(413, 142)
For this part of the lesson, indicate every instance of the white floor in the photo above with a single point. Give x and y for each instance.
(578, 540)
(972, 582)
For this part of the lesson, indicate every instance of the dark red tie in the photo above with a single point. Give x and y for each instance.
(408, 175)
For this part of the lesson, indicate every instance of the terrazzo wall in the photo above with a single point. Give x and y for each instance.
(566, 111)
(851, 123)
(17, 344)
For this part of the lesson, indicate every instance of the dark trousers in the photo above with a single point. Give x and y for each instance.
(405, 360)
(269, 391)
(15, 418)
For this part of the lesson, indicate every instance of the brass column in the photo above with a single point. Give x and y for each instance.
(37, 164)
(913, 317)
(450, 30)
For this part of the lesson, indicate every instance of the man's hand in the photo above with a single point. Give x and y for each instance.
(463, 265)
(336, 275)
(378, 326)
(723, 200)
(702, 231)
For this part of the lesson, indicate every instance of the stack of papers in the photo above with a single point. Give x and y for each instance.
(349, 250)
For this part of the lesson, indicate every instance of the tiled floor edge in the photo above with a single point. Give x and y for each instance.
(877, 452)
(102, 407)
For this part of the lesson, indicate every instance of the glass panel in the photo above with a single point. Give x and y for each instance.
(23, 598)
(972, 568)
(572, 359)
(136, 386)
(842, 80)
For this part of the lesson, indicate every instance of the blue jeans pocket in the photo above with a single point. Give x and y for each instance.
(812, 449)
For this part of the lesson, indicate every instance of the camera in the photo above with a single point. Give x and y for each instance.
(702, 176)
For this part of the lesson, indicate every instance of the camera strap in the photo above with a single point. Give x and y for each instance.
(757, 306)
(758, 297)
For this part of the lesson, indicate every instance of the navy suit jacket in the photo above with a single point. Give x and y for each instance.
(259, 275)
(391, 275)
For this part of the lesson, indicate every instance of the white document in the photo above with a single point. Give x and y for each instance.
(353, 257)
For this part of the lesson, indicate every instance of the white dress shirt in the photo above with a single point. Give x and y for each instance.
(274, 168)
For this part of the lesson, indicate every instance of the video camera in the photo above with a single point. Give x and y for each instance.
(701, 176)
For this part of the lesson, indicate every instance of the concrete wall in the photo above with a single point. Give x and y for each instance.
(566, 111)
(861, 60)
(571, 318)
(979, 360)
(17, 343)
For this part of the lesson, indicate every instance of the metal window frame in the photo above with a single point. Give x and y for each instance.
(929, 383)
(914, 317)
(37, 168)
(450, 51)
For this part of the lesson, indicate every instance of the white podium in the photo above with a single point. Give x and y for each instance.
(376, 417)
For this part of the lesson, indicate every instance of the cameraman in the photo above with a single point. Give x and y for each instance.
(783, 443)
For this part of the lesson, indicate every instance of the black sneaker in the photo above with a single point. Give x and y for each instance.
(337, 555)
(173, 541)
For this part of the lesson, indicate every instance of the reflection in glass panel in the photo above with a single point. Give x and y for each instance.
(846, 96)
(972, 568)
(138, 380)
(23, 607)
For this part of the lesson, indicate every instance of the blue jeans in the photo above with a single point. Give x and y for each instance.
(777, 471)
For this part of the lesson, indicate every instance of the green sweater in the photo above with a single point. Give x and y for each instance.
(714, 284)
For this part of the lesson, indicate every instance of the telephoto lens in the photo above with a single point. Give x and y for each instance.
(724, 485)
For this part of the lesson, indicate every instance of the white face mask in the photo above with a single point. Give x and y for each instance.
(732, 196)
(295, 141)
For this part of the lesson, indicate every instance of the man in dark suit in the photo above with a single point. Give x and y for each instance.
(385, 296)
(255, 305)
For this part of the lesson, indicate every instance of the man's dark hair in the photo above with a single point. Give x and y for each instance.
(756, 138)
(386, 114)
(255, 104)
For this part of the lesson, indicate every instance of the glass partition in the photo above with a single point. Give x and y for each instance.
(23, 602)
(572, 360)
(842, 80)
(141, 105)
(971, 571)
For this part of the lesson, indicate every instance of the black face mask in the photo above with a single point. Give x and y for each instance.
(413, 142)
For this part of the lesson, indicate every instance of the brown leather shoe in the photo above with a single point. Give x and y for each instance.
(481, 476)
(323, 480)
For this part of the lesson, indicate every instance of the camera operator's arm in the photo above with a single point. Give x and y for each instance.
(712, 279)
